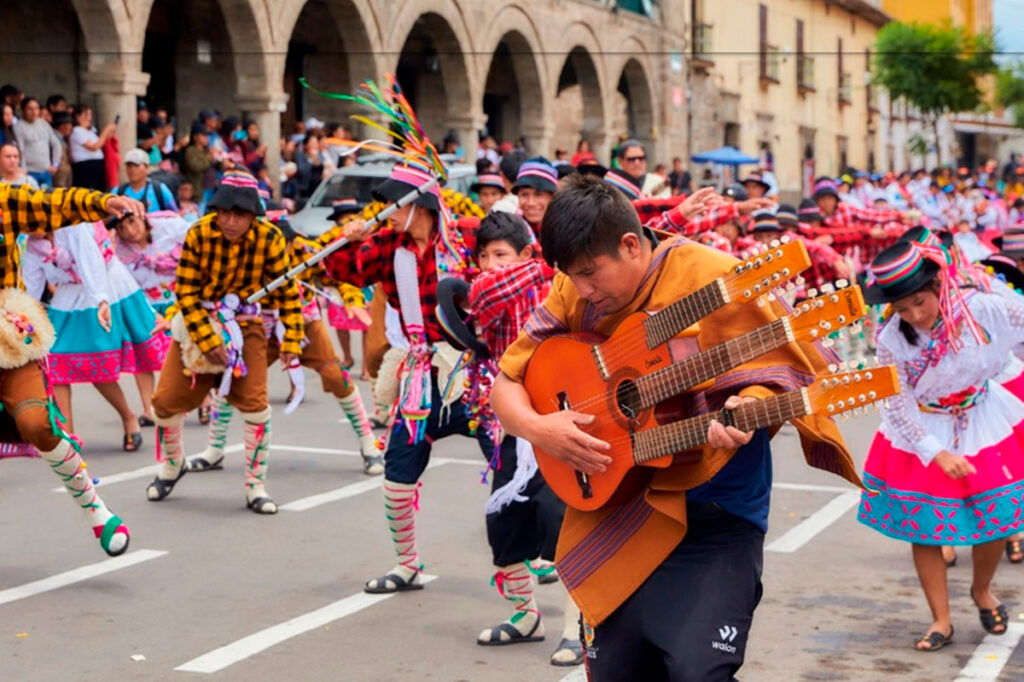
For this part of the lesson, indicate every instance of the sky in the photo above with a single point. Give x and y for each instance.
(1008, 17)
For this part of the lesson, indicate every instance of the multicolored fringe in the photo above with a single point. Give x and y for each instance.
(415, 388)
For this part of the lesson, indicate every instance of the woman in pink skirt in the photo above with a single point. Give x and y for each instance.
(947, 465)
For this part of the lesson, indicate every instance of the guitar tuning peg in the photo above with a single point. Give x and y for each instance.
(828, 288)
(844, 365)
(800, 281)
(760, 301)
(833, 368)
(785, 239)
(790, 287)
(812, 292)
(744, 255)
(842, 283)
(827, 343)
(774, 243)
(845, 417)
(770, 296)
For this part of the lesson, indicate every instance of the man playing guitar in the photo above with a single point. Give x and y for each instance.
(668, 578)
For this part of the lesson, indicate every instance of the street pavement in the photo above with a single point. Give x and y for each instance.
(210, 590)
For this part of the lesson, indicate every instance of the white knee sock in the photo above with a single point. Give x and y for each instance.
(65, 461)
(401, 502)
(170, 451)
(257, 449)
(515, 583)
(352, 406)
(222, 412)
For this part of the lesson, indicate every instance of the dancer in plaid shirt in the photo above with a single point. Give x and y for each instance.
(317, 354)
(227, 256)
(870, 229)
(407, 259)
(30, 422)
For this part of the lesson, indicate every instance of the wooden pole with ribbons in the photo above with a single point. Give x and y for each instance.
(376, 220)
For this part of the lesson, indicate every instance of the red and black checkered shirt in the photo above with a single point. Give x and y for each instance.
(502, 300)
(372, 261)
(673, 220)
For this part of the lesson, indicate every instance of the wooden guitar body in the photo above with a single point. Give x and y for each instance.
(592, 374)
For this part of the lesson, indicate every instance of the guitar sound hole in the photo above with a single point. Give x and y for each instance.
(627, 397)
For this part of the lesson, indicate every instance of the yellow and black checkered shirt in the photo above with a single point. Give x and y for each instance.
(24, 210)
(211, 267)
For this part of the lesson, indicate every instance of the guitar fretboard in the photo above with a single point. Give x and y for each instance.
(684, 313)
(678, 377)
(688, 434)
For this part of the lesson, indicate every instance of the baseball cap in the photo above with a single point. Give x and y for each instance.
(137, 156)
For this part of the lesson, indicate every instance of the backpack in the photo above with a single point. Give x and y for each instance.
(158, 191)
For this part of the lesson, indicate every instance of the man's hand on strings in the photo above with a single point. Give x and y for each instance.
(729, 437)
(562, 438)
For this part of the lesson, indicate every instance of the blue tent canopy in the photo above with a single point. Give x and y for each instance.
(728, 156)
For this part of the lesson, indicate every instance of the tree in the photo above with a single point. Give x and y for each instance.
(1010, 91)
(935, 67)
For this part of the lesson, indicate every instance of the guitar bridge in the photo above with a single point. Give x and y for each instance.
(582, 479)
(599, 361)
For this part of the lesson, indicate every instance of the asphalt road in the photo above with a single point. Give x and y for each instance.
(209, 586)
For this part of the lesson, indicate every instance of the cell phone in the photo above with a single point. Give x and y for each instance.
(117, 119)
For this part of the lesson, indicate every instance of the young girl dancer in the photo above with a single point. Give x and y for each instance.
(104, 323)
(949, 458)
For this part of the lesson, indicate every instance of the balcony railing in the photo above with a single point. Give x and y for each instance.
(770, 63)
(805, 72)
(845, 88)
(702, 42)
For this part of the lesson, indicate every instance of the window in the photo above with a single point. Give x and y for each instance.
(804, 62)
(732, 135)
(872, 92)
(845, 81)
(769, 54)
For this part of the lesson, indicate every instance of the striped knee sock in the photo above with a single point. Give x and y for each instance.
(515, 584)
(65, 461)
(352, 406)
(257, 448)
(222, 412)
(170, 451)
(401, 502)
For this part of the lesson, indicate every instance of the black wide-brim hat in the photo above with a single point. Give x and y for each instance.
(237, 190)
(1007, 270)
(757, 181)
(897, 272)
(345, 209)
(1011, 243)
(454, 321)
(392, 190)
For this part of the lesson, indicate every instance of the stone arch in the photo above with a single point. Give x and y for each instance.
(432, 58)
(513, 89)
(106, 28)
(638, 103)
(580, 94)
(334, 45)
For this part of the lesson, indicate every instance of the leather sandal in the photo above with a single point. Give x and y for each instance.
(200, 463)
(397, 584)
(132, 441)
(935, 641)
(572, 645)
(1014, 552)
(163, 487)
(514, 635)
(262, 505)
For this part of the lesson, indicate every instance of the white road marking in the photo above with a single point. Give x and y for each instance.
(991, 655)
(805, 531)
(344, 492)
(77, 575)
(144, 472)
(264, 639)
(813, 488)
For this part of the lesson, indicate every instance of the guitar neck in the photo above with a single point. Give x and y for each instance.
(685, 312)
(680, 376)
(689, 434)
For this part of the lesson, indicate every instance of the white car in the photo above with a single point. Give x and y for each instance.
(357, 181)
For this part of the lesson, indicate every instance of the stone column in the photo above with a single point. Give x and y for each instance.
(600, 145)
(266, 110)
(116, 92)
(538, 140)
(467, 127)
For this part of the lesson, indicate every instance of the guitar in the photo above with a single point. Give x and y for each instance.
(831, 395)
(622, 402)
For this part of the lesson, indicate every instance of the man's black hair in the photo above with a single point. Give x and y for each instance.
(507, 227)
(510, 164)
(483, 166)
(586, 218)
(54, 100)
(28, 100)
